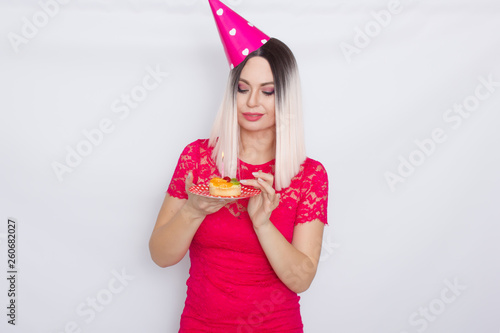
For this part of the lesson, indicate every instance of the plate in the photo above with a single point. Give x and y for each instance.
(246, 192)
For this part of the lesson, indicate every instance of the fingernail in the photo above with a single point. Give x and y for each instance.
(255, 174)
(243, 181)
(260, 179)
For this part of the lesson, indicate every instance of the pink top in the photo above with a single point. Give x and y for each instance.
(232, 287)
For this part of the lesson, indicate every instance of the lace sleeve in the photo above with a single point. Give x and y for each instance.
(314, 195)
(188, 161)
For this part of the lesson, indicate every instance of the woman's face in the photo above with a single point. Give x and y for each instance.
(255, 96)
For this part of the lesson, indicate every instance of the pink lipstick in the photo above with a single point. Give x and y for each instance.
(252, 116)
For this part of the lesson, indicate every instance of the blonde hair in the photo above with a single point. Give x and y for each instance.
(290, 144)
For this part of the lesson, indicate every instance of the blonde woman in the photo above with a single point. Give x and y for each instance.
(250, 257)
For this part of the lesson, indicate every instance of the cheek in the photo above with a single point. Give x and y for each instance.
(270, 106)
(272, 113)
(239, 102)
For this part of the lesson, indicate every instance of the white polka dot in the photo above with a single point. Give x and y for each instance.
(264, 41)
(250, 24)
(245, 52)
(220, 11)
(232, 32)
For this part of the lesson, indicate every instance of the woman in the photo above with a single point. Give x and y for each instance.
(249, 257)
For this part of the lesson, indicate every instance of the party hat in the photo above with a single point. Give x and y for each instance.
(238, 36)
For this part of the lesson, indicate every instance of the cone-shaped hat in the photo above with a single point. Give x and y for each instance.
(238, 36)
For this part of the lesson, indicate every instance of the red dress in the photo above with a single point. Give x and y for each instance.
(232, 287)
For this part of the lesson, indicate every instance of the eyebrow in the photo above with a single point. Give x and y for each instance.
(262, 84)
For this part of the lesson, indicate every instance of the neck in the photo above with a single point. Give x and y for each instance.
(257, 147)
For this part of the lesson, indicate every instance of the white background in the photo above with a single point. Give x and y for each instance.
(388, 256)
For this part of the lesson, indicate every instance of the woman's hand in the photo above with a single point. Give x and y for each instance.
(200, 206)
(262, 205)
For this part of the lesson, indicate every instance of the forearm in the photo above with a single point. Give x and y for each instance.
(170, 242)
(295, 269)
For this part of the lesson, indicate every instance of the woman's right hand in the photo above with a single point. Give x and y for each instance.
(200, 206)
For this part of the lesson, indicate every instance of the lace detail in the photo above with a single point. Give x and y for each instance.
(196, 158)
(312, 195)
(307, 195)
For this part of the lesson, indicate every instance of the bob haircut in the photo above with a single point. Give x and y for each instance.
(290, 145)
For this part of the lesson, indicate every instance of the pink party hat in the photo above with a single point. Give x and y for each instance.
(238, 36)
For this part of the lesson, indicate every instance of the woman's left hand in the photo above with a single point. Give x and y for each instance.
(262, 205)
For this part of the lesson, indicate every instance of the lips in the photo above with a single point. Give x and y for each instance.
(250, 116)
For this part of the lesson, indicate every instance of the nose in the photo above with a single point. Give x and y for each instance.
(253, 99)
